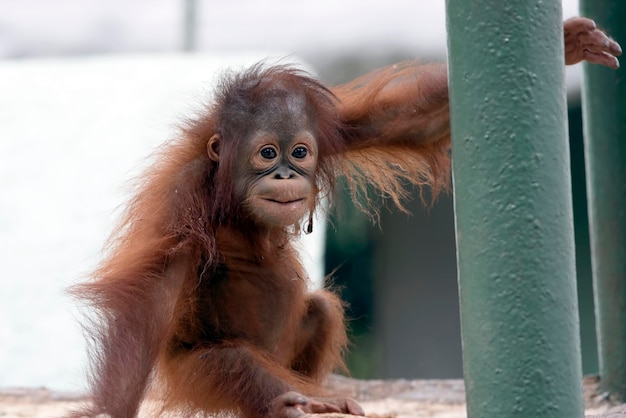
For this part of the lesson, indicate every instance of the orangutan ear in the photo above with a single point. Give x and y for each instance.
(213, 148)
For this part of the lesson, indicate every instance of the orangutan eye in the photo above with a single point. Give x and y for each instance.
(299, 152)
(268, 153)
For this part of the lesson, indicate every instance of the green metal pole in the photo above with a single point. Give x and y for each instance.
(604, 112)
(514, 222)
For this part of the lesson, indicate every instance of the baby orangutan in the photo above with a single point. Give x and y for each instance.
(202, 292)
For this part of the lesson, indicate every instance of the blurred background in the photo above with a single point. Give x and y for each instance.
(88, 88)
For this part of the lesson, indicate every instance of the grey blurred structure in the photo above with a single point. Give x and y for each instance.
(190, 25)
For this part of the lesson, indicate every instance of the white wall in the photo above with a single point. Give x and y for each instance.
(72, 133)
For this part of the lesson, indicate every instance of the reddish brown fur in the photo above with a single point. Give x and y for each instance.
(398, 130)
(198, 296)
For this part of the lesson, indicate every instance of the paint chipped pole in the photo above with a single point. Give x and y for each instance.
(604, 112)
(513, 207)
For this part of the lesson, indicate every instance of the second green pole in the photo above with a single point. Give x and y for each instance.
(604, 112)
